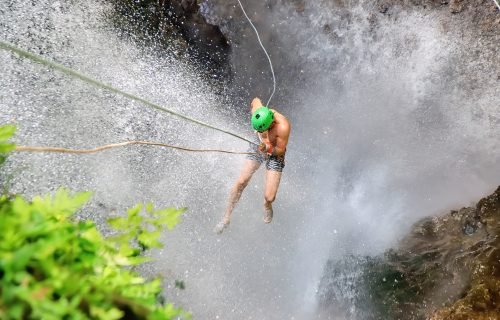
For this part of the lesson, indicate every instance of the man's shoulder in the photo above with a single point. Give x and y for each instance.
(284, 126)
(283, 121)
(282, 118)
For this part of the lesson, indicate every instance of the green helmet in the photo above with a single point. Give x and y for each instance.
(262, 119)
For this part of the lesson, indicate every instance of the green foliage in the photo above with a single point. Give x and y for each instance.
(6, 132)
(52, 267)
(144, 229)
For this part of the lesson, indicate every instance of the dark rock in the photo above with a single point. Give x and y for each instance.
(456, 6)
(206, 41)
(176, 23)
(448, 267)
(383, 8)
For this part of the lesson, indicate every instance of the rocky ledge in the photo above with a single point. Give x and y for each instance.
(448, 267)
(468, 241)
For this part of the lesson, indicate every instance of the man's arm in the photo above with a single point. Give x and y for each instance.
(256, 104)
(281, 141)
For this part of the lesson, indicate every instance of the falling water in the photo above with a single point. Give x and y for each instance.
(394, 117)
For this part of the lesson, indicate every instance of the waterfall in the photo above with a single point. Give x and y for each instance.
(395, 116)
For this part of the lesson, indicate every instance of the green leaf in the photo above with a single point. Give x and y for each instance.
(16, 311)
(92, 235)
(119, 223)
(169, 217)
(132, 212)
(130, 260)
(133, 261)
(7, 131)
(21, 209)
(66, 204)
(121, 239)
(128, 251)
(171, 311)
(109, 314)
(150, 239)
(6, 147)
(22, 256)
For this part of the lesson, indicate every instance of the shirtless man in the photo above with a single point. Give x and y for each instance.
(273, 130)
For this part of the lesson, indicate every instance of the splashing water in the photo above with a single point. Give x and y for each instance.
(393, 118)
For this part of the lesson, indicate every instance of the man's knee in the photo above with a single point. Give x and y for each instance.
(270, 197)
(241, 184)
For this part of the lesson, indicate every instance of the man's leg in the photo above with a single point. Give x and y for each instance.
(249, 168)
(272, 183)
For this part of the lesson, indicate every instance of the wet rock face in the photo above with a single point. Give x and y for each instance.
(207, 41)
(483, 14)
(481, 299)
(448, 267)
(216, 32)
(175, 23)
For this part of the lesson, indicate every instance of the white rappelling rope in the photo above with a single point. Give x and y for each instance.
(263, 48)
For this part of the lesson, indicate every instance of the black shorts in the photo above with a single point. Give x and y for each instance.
(275, 163)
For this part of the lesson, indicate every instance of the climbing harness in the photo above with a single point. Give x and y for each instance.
(265, 51)
(75, 74)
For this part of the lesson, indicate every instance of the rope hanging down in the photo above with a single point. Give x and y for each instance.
(116, 145)
(75, 74)
(265, 51)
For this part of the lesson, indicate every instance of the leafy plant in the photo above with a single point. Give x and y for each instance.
(52, 267)
(6, 132)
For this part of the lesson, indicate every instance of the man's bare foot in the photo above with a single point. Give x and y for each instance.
(268, 214)
(219, 228)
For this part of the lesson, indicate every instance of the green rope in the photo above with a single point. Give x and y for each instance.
(73, 73)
